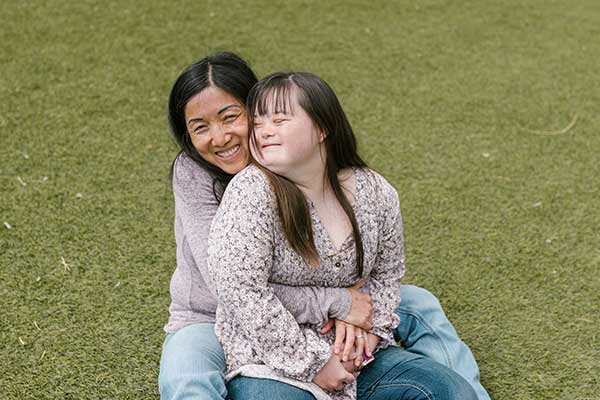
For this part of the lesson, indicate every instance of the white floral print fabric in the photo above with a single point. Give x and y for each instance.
(248, 250)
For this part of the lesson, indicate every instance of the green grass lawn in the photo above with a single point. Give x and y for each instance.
(460, 104)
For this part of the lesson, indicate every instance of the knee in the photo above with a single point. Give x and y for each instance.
(192, 365)
(418, 298)
(193, 349)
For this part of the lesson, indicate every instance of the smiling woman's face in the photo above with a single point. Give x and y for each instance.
(288, 142)
(218, 127)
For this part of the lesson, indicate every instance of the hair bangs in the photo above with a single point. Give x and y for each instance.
(275, 96)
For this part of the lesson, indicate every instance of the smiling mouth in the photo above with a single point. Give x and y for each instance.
(270, 145)
(229, 153)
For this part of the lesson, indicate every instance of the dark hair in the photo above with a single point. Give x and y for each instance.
(319, 101)
(224, 70)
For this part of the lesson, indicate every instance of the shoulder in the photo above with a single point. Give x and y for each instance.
(247, 206)
(378, 188)
(186, 172)
(250, 185)
(251, 175)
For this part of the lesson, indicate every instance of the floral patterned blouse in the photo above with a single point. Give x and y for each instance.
(248, 250)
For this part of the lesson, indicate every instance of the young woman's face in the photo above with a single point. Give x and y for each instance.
(218, 127)
(287, 143)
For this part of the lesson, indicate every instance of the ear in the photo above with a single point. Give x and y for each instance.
(322, 135)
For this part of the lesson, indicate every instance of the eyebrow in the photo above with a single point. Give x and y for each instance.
(221, 111)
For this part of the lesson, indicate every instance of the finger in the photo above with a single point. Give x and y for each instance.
(340, 333)
(358, 362)
(349, 378)
(370, 322)
(360, 343)
(349, 343)
(368, 351)
(328, 326)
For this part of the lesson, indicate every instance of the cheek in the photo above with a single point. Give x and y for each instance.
(200, 144)
(302, 143)
(241, 131)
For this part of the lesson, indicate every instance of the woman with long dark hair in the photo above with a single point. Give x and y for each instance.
(207, 114)
(310, 212)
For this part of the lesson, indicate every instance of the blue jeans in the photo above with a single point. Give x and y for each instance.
(396, 374)
(192, 361)
(425, 330)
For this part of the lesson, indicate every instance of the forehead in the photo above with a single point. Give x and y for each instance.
(209, 102)
(277, 100)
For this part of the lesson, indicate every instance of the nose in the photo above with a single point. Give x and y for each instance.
(265, 131)
(220, 136)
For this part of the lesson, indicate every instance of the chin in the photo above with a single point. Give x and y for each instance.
(234, 169)
(276, 170)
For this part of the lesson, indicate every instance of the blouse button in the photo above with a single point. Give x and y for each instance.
(338, 264)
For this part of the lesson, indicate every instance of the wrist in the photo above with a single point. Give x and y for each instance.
(340, 308)
(373, 341)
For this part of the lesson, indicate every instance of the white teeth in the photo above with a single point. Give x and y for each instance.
(229, 152)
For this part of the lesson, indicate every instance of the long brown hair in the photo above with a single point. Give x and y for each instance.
(321, 104)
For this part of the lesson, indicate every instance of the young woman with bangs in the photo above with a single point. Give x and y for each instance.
(207, 113)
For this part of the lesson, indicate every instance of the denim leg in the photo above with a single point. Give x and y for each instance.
(245, 388)
(192, 365)
(397, 374)
(425, 330)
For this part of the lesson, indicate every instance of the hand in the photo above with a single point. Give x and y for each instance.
(371, 342)
(333, 376)
(352, 340)
(361, 310)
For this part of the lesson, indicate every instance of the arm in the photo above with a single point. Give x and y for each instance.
(384, 279)
(384, 283)
(196, 205)
(351, 304)
(314, 305)
(195, 208)
(240, 258)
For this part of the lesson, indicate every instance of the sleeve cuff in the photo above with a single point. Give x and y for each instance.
(340, 307)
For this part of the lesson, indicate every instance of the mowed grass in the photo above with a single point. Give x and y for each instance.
(459, 104)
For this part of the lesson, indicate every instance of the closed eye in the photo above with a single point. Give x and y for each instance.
(231, 117)
(200, 129)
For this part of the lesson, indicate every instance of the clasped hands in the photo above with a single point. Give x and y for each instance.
(352, 341)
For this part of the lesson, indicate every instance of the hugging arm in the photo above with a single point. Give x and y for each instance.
(314, 305)
(384, 282)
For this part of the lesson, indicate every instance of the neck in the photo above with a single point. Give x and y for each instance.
(314, 189)
(311, 179)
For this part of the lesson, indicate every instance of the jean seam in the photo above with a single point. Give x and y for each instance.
(431, 331)
(397, 385)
